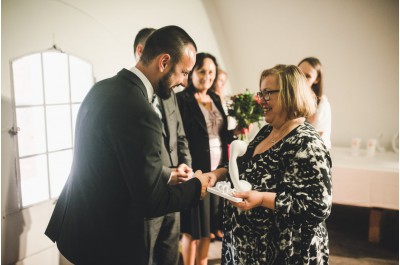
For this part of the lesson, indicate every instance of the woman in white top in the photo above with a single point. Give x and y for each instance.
(321, 120)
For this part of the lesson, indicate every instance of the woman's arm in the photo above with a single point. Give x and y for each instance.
(216, 175)
(306, 196)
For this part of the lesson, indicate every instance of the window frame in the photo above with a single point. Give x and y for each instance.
(72, 107)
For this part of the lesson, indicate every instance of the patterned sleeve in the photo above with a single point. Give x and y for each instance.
(305, 195)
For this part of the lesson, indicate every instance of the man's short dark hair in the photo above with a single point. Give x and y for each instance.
(170, 40)
(142, 36)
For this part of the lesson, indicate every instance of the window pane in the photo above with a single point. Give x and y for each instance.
(34, 180)
(81, 78)
(31, 137)
(58, 127)
(56, 80)
(75, 109)
(59, 167)
(27, 78)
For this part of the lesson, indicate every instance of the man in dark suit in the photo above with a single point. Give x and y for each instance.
(115, 180)
(161, 234)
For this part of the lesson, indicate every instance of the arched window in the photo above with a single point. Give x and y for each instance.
(48, 88)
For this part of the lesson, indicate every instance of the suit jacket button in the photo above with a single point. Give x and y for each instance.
(171, 149)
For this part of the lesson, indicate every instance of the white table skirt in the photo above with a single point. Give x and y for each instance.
(365, 181)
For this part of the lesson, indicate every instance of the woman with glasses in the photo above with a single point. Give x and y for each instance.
(321, 120)
(282, 219)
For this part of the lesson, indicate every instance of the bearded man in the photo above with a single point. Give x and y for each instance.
(115, 180)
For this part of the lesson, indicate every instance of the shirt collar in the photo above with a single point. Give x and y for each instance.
(146, 82)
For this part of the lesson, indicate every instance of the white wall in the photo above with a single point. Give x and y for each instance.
(357, 42)
(100, 32)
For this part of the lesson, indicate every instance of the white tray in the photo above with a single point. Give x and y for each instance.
(215, 191)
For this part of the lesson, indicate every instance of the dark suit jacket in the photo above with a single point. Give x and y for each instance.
(175, 149)
(115, 179)
(196, 129)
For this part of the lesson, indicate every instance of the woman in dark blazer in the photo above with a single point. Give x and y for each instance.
(207, 133)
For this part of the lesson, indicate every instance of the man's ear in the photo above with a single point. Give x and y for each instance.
(164, 61)
(139, 50)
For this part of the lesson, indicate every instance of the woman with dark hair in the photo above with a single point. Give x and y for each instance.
(321, 120)
(206, 130)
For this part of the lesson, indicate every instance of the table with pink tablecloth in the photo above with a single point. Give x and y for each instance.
(366, 181)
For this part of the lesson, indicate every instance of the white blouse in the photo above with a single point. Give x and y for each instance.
(323, 121)
(214, 121)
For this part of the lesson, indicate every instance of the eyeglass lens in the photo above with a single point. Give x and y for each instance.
(265, 94)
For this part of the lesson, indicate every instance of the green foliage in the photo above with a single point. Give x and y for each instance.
(246, 109)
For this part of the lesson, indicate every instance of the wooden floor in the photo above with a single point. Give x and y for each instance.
(214, 258)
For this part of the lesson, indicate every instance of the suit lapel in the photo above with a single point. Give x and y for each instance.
(195, 109)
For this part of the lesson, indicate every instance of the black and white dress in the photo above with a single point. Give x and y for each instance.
(298, 170)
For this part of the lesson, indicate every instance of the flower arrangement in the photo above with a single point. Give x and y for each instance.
(246, 109)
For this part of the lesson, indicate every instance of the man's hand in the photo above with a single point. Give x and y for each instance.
(204, 179)
(185, 173)
(180, 174)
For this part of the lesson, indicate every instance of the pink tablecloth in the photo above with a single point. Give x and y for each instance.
(365, 181)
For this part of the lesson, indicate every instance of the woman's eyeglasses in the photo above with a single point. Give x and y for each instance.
(266, 94)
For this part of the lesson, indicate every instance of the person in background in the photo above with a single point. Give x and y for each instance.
(282, 219)
(219, 87)
(115, 180)
(205, 125)
(161, 234)
(140, 40)
(321, 120)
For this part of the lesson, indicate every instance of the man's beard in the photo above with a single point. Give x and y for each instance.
(164, 86)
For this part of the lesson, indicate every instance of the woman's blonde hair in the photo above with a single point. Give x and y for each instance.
(295, 97)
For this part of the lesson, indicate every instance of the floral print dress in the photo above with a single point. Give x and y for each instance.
(298, 170)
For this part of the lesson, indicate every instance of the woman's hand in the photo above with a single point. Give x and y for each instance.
(212, 178)
(237, 131)
(253, 198)
(216, 175)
